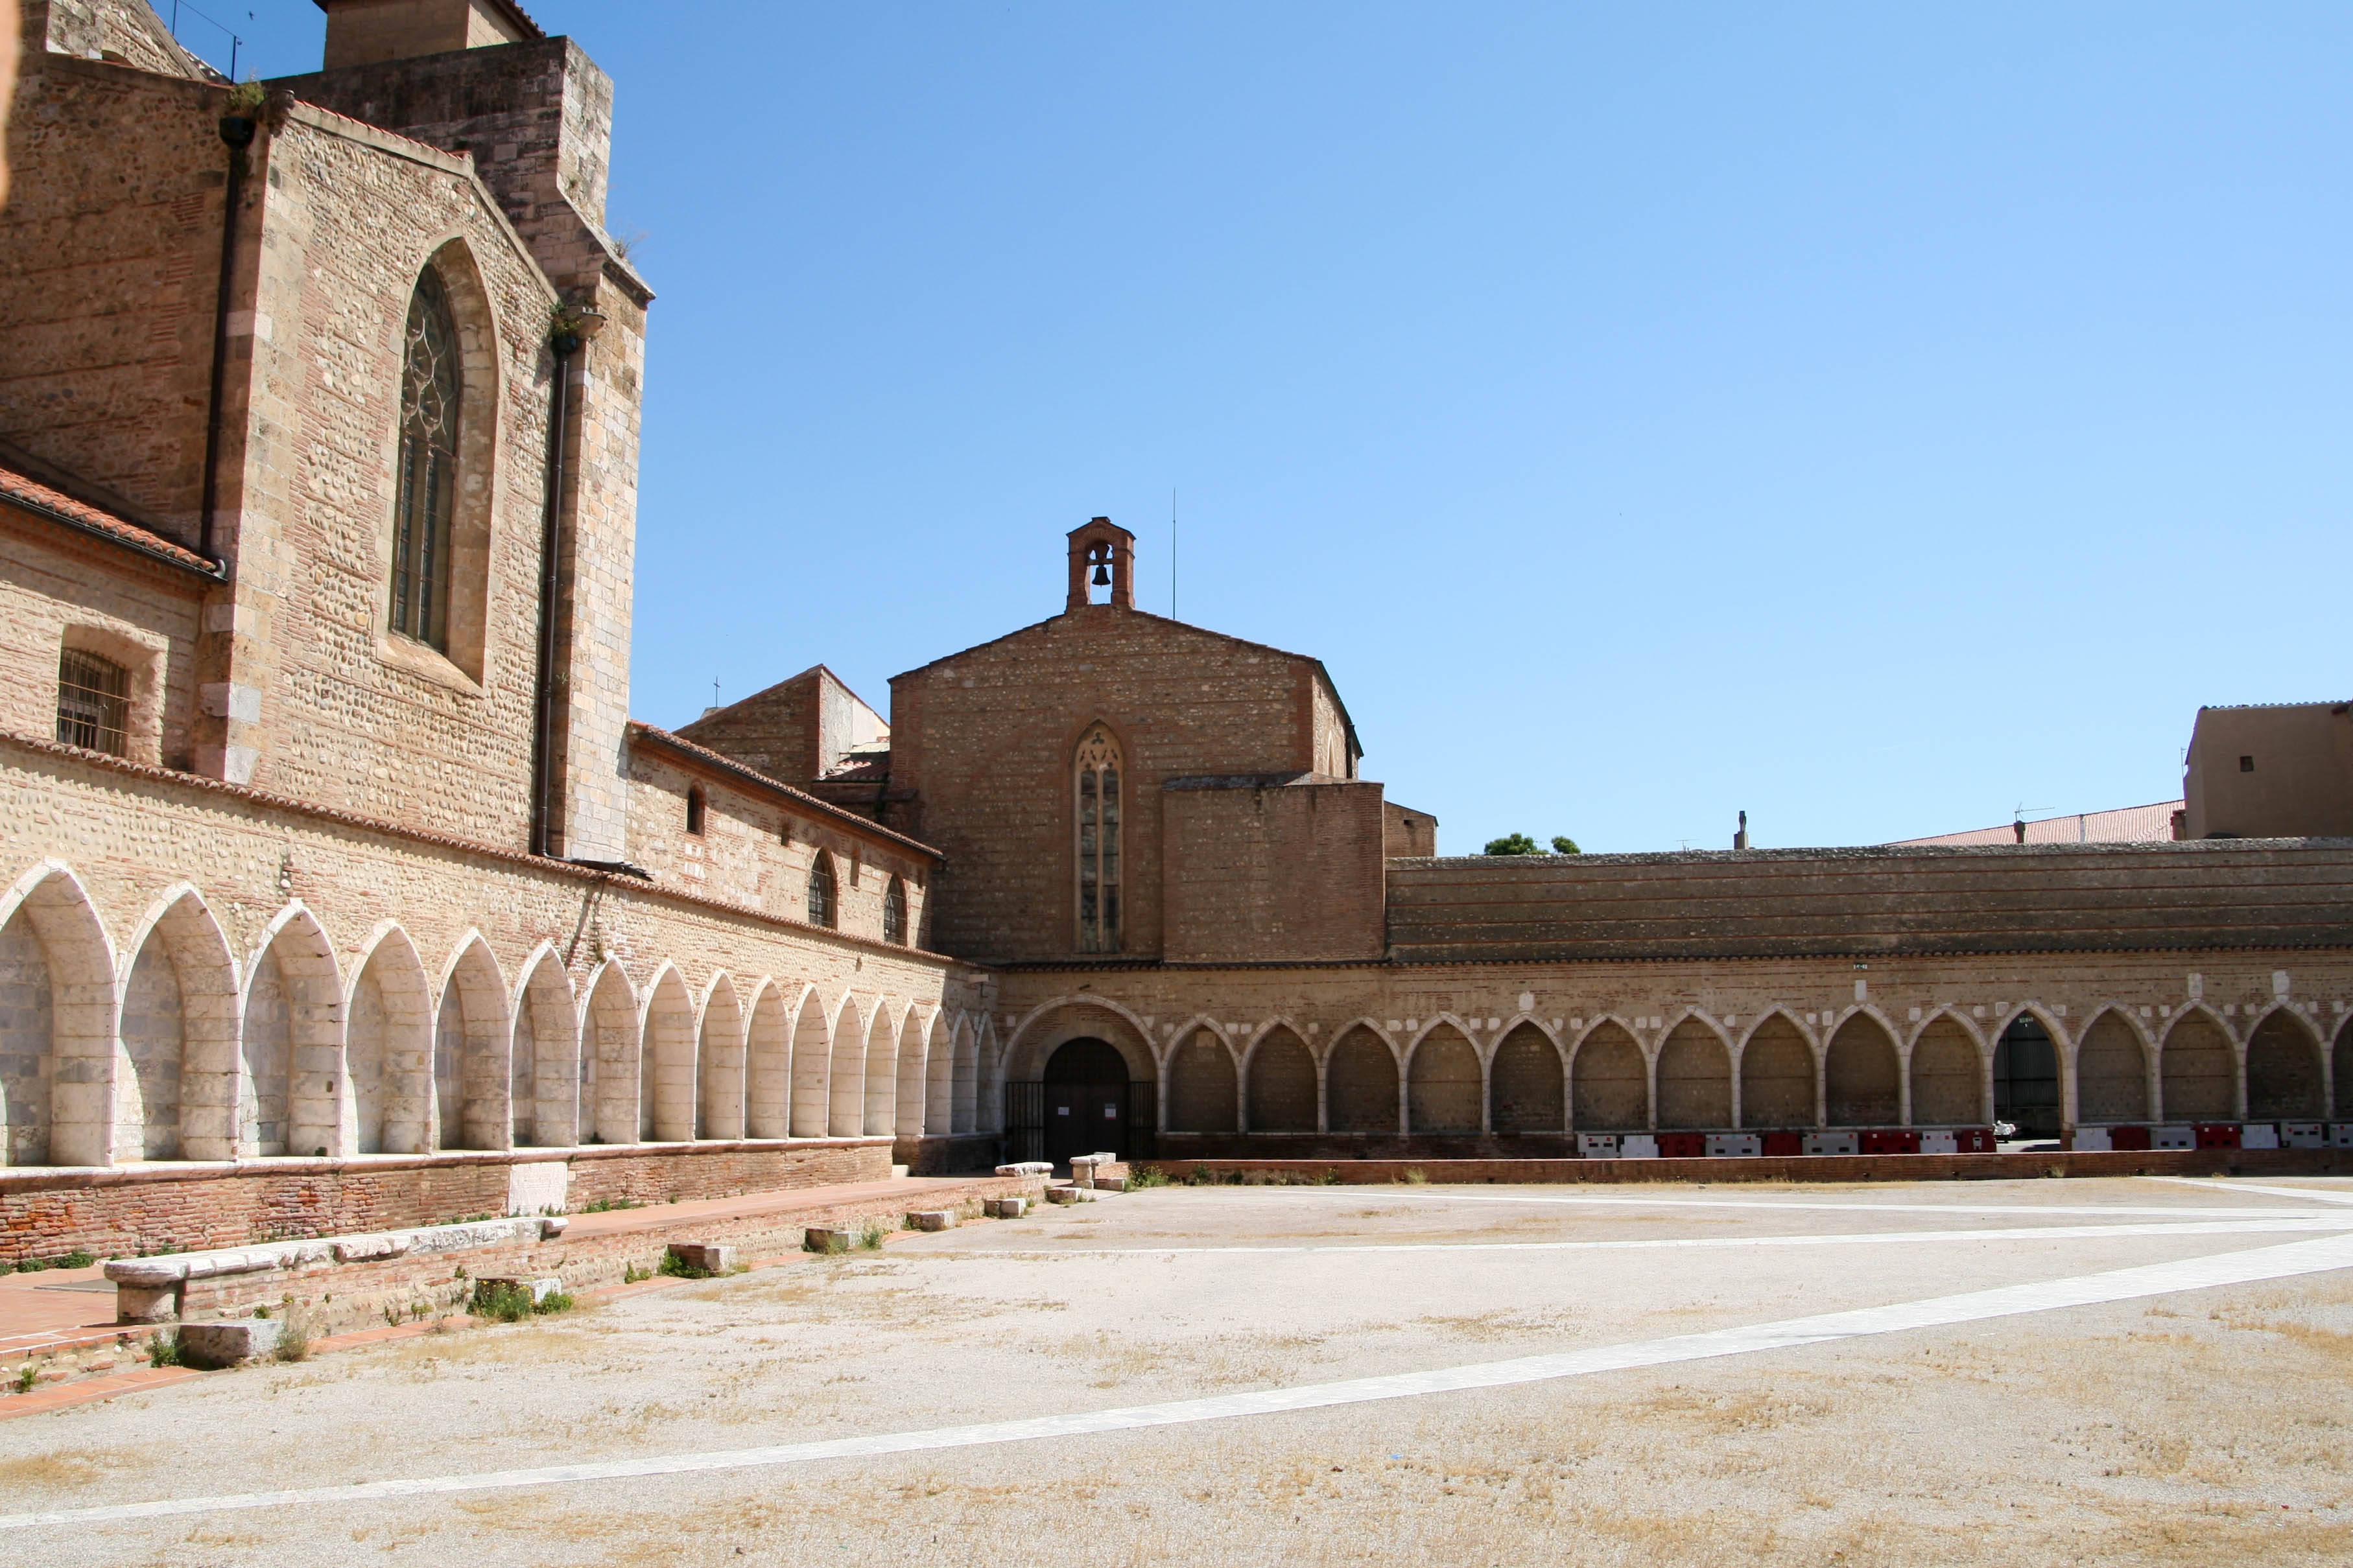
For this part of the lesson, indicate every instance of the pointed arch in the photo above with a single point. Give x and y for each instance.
(2112, 1070)
(1779, 1074)
(845, 1096)
(176, 1073)
(919, 1040)
(2198, 1068)
(2029, 1071)
(611, 1052)
(939, 1075)
(768, 1063)
(2286, 1077)
(964, 1083)
(813, 1026)
(58, 1011)
(1360, 1081)
(883, 1070)
(543, 1079)
(474, 1043)
(1861, 1076)
(293, 1049)
(437, 538)
(1202, 1095)
(387, 1103)
(1609, 1081)
(1279, 1074)
(1950, 1074)
(994, 1062)
(1527, 1082)
(1445, 1082)
(667, 1103)
(719, 1061)
(1694, 1075)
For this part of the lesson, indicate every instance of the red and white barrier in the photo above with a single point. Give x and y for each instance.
(2173, 1137)
(1833, 1143)
(1597, 1145)
(1638, 1146)
(1939, 1141)
(2092, 1140)
(2258, 1135)
(1734, 1145)
(2304, 1135)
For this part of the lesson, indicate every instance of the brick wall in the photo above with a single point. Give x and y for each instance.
(1864, 902)
(1256, 868)
(987, 738)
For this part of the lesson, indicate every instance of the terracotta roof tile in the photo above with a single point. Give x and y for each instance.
(33, 496)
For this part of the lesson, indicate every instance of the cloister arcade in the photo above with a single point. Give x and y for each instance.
(1781, 1069)
(168, 1047)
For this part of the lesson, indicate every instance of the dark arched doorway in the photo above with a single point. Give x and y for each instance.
(1086, 1101)
(2026, 1078)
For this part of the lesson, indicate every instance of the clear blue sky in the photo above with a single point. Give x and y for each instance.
(1876, 417)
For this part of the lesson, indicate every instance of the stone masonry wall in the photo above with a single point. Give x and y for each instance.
(988, 737)
(2166, 1021)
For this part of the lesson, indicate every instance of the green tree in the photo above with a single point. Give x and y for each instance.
(1563, 844)
(1516, 844)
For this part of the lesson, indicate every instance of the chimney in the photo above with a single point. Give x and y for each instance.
(363, 32)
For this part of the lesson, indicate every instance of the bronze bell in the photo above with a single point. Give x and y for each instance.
(1103, 576)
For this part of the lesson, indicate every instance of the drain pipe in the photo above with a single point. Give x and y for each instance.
(573, 327)
(237, 131)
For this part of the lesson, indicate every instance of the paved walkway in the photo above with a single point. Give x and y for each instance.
(653, 1217)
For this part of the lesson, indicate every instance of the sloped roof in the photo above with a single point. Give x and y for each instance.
(43, 500)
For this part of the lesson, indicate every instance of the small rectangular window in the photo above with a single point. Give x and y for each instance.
(93, 702)
(694, 807)
(2247, 764)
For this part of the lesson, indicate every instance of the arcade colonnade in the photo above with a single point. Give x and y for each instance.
(1686, 1069)
(161, 1042)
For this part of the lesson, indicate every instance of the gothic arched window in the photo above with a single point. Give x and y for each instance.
(1098, 842)
(430, 385)
(820, 895)
(895, 912)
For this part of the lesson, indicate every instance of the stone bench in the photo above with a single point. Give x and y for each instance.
(154, 1289)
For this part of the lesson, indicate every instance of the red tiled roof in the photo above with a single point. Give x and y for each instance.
(59, 507)
(2125, 825)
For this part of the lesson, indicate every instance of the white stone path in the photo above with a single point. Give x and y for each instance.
(2240, 1268)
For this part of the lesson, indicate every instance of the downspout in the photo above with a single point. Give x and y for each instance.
(236, 130)
(564, 342)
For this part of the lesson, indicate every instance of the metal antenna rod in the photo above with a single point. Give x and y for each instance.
(1172, 552)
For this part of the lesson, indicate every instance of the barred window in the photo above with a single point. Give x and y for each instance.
(429, 397)
(820, 891)
(1098, 842)
(895, 912)
(93, 702)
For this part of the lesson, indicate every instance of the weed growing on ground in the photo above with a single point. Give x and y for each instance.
(79, 1258)
(1414, 1176)
(606, 1205)
(631, 1274)
(25, 1375)
(294, 1337)
(391, 1316)
(501, 1301)
(164, 1350)
(676, 1267)
(1327, 1178)
(834, 1242)
(870, 1235)
(1142, 1176)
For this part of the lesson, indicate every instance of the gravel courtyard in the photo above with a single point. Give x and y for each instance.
(2180, 1425)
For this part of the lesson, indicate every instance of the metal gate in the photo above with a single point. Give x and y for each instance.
(1025, 1121)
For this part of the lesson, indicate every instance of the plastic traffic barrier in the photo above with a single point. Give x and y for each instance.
(1974, 1140)
(2303, 1136)
(1831, 1144)
(1938, 1141)
(1734, 1145)
(1891, 1141)
(2258, 1135)
(1784, 1142)
(2340, 1135)
(2090, 1140)
(1683, 1145)
(1638, 1146)
(2132, 1138)
(1597, 1145)
(2173, 1137)
(2215, 1134)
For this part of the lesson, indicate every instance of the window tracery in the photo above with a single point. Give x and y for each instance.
(1098, 767)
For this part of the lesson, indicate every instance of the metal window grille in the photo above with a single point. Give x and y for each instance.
(93, 702)
(821, 890)
(429, 397)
